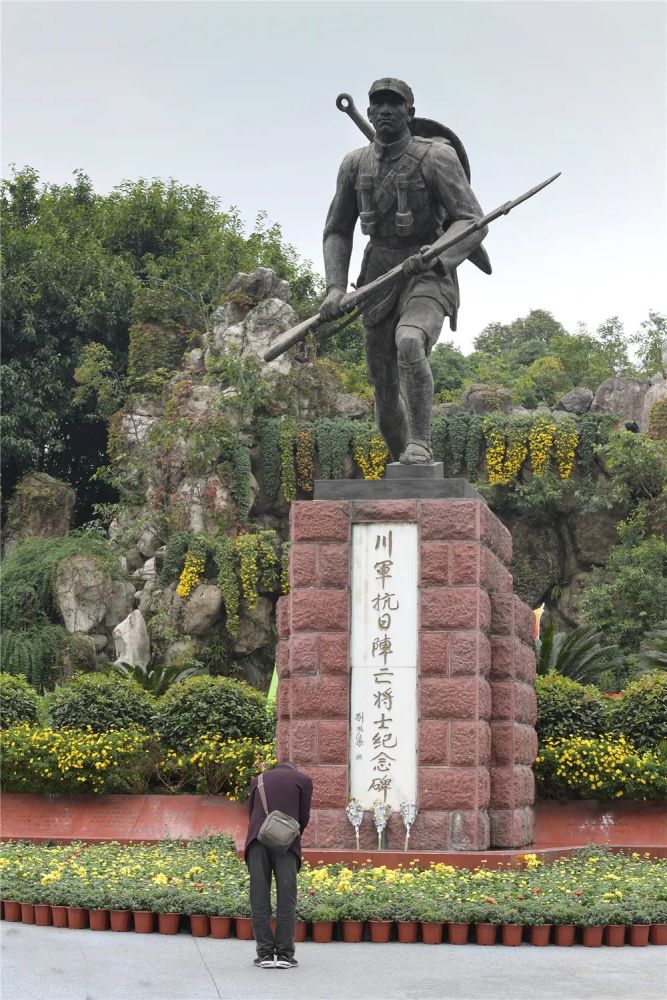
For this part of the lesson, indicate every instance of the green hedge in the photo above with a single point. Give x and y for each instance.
(18, 700)
(218, 705)
(101, 701)
(641, 711)
(565, 708)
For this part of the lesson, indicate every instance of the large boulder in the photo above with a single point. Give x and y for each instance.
(263, 283)
(252, 334)
(132, 641)
(537, 560)
(120, 602)
(595, 534)
(577, 400)
(482, 399)
(202, 609)
(83, 592)
(41, 507)
(137, 422)
(347, 405)
(567, 613)
(255, 627)
(654, 394)
(622, 396)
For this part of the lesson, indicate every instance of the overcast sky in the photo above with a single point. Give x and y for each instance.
(239, 98)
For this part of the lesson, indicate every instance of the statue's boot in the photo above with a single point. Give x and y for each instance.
(392, 418)
(417, 390)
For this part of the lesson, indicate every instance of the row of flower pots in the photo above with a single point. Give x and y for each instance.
(351, 931)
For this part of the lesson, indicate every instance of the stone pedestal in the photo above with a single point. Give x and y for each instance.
(475, 673)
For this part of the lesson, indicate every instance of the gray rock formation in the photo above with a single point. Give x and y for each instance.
(41, 507)
(120, 603)
(623, 397)
(594, 535)
(132, 641)
(255, 627)
(577, 400)
(202, 609)
(83, 592)
(654, 394)
(482, 399)
(263, 283)
(537, 560)
(252, 335)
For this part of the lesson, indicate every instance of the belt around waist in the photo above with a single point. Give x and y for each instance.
(398, 244)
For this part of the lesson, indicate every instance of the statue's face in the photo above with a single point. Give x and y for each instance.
(389, 114)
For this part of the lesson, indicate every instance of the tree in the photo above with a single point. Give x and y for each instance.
(651, 341)
(449, 366)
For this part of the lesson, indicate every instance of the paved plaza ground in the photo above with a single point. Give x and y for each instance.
(45, 963)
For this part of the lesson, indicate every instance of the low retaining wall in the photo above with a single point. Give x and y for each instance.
(560, 827)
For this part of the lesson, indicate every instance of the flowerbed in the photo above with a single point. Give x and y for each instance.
(61, 761)
(604, 767)
(205, 879)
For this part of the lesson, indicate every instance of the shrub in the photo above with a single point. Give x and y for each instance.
(608, 767)
(565, 708)
(101, 701)
(60, 761)
(216, 766)
(18, 700)
(641, 711)
(212, 705)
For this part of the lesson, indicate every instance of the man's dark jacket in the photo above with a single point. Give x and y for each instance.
(288, 791)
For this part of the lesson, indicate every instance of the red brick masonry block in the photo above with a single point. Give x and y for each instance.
(524, 621)
(320, 521)
(434, 742)
(319, 610)
(502, 614)
(505, 650)
(334, 653)
(513, 743)
(334, 566)
(524, 666)
(494, 577)
(303, 743)
(465, 564)
(454, 608)
(470, 743)
(304, 655)
(512, 827)
(469, 653)
(434, 653)
(494, 534)
(283, 617)
(453, 787)
(333, 743)
(454, 698)
(303, 566)
(512, 787)
(283, 658)
(330, 786)
(384, 510)
(434, 563)
(319, 697)
(456, 520)
(469, 831)
(430, 831)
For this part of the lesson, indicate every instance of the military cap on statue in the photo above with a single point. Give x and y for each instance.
(395, 86)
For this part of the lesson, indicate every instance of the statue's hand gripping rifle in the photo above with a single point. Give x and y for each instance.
(457, 231)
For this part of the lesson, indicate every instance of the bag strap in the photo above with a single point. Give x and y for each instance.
(262, 793)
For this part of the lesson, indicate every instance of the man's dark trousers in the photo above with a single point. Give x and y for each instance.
(262, 863)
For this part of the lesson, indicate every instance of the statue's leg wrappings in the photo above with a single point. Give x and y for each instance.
(390, 410)
(420, 324)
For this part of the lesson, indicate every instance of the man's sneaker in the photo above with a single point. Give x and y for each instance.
(286, 962)
(264, 962)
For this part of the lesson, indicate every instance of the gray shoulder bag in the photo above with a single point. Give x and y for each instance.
(278, 831)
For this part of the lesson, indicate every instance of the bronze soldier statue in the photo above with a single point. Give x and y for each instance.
(405, 189)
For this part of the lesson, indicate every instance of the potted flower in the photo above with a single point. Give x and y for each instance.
(77, 905)
(352, 909)
(592, 923)
(640, 915)
(167, 902)
(616, 920)
(458, 913)
(381, 911)
(140, 902)
(565, 916)
(198, 906)
(240, 904)
(323, 915)
(537, 920)
(406, 913)
(431, 915)
(120, 906)
(512, 924)
(485, 915)
(658, 933)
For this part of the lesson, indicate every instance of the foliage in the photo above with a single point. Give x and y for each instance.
(439, 435)
(640, 712)
(156, 679)
(216, 765)
(649, 342)
(247, 548)
(566, 439)
(581, 654)
(33, 651)
(305, 459)
(653, 652)
(628, 596)
(241, 483)
(209, 705)
(174, 557)
(370, 451)
(608, 767)
(101, 702)
(193, 568)
(450, 368)
(565, 708)
(18, 700)
(638, 466)
(657, 421)
(269, 436)
(66, 760)
(458, 436)
(333, 441)
(227, 582)
(286, 441)
(473, 444)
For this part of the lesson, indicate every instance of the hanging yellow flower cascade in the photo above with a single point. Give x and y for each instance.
(566, 439)
(540, 440)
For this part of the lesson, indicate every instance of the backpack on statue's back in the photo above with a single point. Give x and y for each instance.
(278, 831)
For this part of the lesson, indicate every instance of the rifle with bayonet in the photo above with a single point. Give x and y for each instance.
(354, 300)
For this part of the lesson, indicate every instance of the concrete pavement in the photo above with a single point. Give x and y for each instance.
(46, 963)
